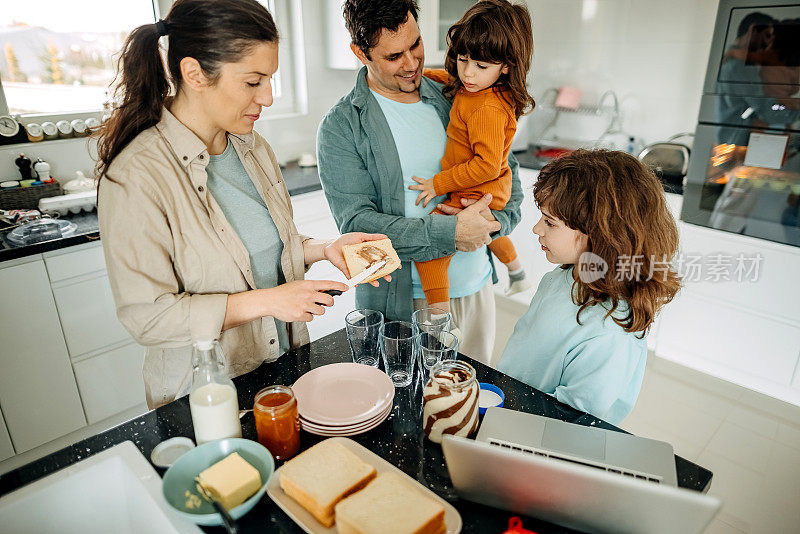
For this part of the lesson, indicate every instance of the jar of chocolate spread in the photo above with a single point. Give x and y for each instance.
(451, 400)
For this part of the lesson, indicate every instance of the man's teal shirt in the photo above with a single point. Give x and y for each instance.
(362, 177)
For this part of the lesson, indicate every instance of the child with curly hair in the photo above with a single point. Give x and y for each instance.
(605, 222)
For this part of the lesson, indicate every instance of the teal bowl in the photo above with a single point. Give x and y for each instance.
(180, 477)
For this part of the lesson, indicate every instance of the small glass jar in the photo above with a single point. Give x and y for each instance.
(277, 425)
(213, 400)
(451, 400)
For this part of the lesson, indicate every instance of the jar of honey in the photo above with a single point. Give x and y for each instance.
(278, 427)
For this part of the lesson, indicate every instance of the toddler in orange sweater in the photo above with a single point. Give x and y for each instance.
(487, 61)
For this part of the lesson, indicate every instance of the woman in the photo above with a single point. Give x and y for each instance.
(195, 219)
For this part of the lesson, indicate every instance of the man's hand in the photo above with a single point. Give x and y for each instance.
(465, 202)
(473, 229)
(427, 191)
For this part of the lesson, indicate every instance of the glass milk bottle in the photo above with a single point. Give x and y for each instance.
(213, 400)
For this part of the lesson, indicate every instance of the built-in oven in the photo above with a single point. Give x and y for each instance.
(744, 172)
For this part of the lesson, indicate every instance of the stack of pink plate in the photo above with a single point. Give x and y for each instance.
(343, 399)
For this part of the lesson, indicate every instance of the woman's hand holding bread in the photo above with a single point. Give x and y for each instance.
(335, 254)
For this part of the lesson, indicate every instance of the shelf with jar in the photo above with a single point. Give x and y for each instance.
(13, 131)
(16, 129)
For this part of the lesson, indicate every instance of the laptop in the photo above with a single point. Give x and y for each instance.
(580, 477)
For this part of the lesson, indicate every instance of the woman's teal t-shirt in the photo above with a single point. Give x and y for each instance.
(244, 208)
(594, 366)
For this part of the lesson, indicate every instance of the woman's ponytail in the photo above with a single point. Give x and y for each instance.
(142, 89)
(213, 32)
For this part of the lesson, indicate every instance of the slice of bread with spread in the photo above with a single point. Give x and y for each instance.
(359, 256)
(322, 476)
(389, 505)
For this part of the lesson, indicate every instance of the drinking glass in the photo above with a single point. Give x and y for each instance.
(433, 348)
(363, 326)
(398, 347)
(431, 320)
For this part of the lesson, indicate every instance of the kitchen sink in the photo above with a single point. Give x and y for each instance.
(116, 490)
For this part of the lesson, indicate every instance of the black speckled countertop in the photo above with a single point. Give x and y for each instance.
(528, 159)
(86, 232)
(298, 180)
(399, 439)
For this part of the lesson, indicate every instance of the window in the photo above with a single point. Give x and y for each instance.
(58, 57)
(289, 83)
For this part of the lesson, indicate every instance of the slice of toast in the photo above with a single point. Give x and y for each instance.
(322, 476)
(389, 505)
(359, 256)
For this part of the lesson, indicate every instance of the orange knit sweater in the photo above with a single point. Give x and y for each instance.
(479, 136)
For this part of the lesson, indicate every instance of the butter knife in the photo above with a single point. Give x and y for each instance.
(360, 277)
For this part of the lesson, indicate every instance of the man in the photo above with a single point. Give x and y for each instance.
(391, 127)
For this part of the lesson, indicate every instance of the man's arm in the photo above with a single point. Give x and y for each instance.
(354, 201)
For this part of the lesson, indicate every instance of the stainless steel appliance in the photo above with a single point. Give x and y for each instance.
(670, 161)
(744, 171)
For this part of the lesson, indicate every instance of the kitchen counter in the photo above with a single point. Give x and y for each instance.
(528, 159)
(399, 439)
(86, 232)
(298, 180)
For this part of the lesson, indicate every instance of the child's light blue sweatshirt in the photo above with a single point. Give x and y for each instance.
(594, 366)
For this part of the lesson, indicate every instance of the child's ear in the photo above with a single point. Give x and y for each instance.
(504, 70)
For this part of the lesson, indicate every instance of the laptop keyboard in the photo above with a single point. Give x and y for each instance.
(580, 461)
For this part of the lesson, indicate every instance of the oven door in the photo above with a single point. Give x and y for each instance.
(756, 49)
(746, 181)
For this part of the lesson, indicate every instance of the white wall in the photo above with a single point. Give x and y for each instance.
(293, 136)
(65, 157)
(652, 53)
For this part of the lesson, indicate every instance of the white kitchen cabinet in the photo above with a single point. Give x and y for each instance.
(111, 382)
(88, 314)
(435, 19)
(38, 394)
(6, 449)
(745, 331)
(796, 381)
(65, 356)
(756, 345)
(107, 362)
(75, 261)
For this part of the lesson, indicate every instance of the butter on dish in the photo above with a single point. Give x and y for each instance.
(231, 481)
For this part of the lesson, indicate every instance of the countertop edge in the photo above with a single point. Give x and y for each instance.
(8, 254)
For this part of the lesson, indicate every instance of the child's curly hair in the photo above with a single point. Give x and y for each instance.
(619, 204)
(495, 31)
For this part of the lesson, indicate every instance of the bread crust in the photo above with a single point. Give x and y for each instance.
(349, 517)
(356, 263)
(324, 512)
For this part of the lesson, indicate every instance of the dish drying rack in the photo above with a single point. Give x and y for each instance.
(608, 105)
